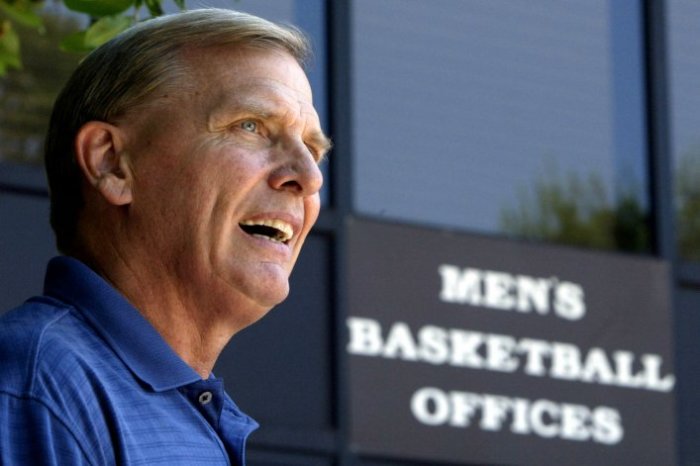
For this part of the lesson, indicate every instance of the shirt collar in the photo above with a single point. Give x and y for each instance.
(128, 333)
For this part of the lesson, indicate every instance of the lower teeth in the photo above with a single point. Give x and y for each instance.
(275, 240)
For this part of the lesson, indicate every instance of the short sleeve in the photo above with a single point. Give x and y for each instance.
(31, 433)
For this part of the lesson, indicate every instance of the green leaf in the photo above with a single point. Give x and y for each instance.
(99, 8)
(9, 48)
(154, 7)
(75, 42)
(9, 40)
(10, 60)
(106, 28)
(23, 12)
(180, 4)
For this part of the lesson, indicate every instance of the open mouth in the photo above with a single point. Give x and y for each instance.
(273, 230)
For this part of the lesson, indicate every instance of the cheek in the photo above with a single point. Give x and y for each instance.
(312, 207)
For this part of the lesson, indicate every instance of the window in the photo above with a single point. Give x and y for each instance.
(684, 68)
(516, 118)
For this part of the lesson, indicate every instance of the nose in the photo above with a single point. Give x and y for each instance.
(299, 173)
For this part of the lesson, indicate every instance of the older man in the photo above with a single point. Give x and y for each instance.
(182, 160)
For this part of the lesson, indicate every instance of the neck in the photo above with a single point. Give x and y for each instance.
(197, 326)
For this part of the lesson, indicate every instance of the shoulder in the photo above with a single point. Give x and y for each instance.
(47, 382)
(41, 339)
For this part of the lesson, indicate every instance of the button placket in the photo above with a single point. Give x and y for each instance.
(207, 396)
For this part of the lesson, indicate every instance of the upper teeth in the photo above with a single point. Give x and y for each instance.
(285, 229)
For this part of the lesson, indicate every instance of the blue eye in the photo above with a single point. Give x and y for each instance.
(249, 126)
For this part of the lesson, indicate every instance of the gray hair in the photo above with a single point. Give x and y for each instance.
(124, 73)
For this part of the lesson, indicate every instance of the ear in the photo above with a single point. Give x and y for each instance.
(99, 151)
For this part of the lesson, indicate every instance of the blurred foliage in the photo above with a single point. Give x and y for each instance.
(687, 187)
(27, 94)
(105, 19)
(33, 70)
(575, 210)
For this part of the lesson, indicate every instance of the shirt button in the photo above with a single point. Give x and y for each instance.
(205, 398)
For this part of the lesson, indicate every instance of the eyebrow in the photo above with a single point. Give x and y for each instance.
(236, 106)
(322, 142)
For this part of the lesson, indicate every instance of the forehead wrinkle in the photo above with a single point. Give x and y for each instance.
(276, 105)
(269, 104)
(242, 104)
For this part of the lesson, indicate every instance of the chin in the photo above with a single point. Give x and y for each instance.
(263, 295)
(260, 311)
(275, 297)
(251, 291)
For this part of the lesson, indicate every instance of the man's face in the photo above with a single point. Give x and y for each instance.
(226, 177)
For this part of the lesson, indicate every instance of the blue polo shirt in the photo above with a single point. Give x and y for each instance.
(86, 380)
